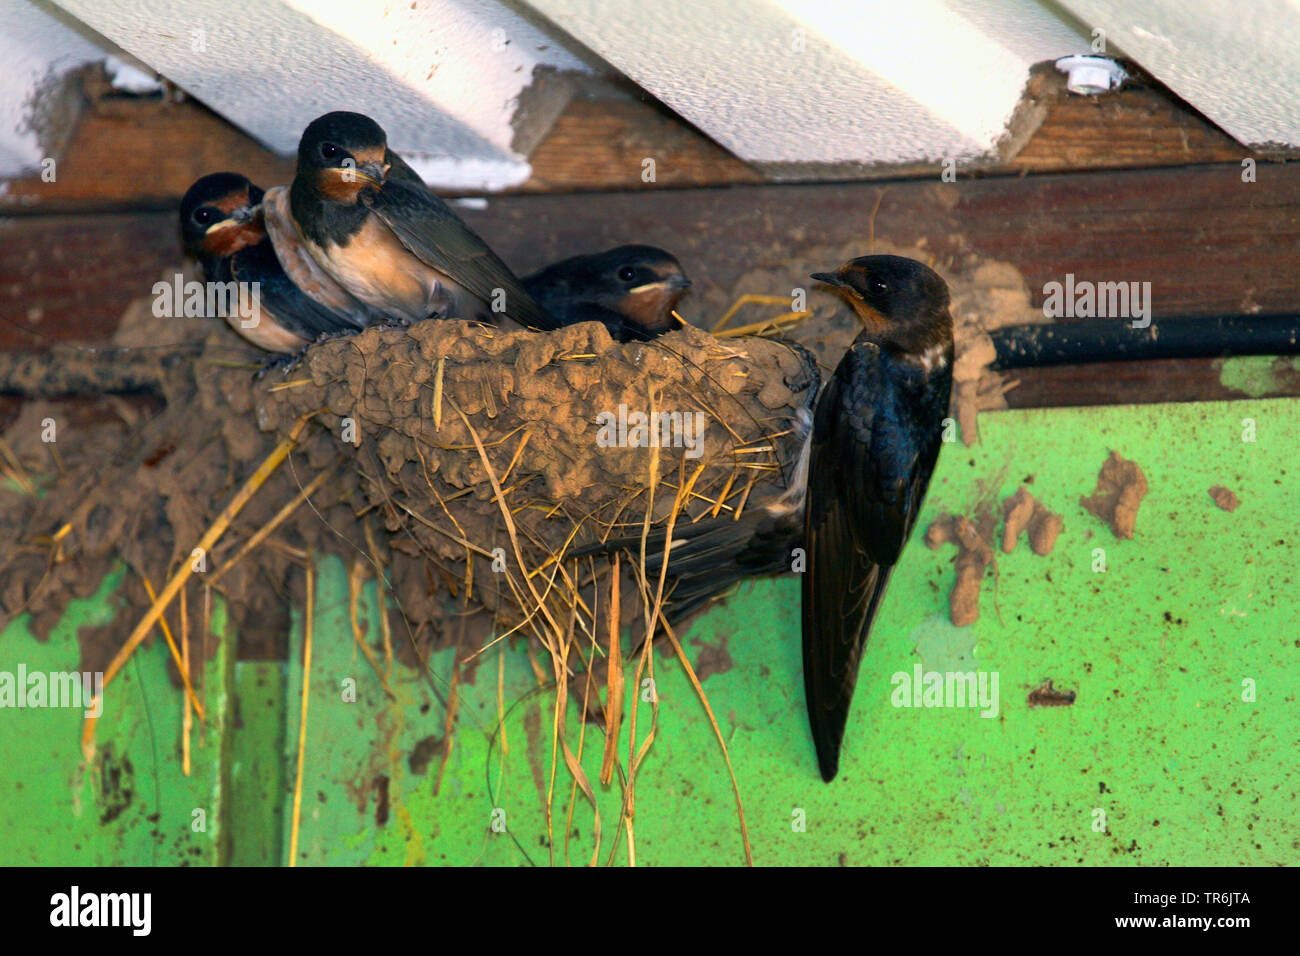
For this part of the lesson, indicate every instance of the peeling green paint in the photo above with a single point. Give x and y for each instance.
(1258, 375)
(944, 647)
(132, 804)
(1183, 739)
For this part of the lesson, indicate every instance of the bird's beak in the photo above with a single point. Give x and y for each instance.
(372, 173)
(673, 283)
(871, 319)
(238, 217)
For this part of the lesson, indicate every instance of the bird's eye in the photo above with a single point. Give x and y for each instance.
(627, 274)
(202, 215)
(329, 150)
(877, 286)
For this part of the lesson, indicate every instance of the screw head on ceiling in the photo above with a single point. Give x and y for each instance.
(1091, 75)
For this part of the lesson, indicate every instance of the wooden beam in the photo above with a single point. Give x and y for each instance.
(1206, 241)
(143, 152)
(602, 144)
(1140, 383)
(1140, 126)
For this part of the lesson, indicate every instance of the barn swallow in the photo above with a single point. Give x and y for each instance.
(875, 438)
(303, 270)
(632, 290)
(222, 226)
(867, 451)
(369, 222)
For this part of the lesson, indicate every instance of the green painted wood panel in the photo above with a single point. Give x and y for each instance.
(1163, 649)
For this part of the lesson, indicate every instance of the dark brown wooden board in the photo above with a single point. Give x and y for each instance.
(1136, 383)
(1208, 243)
(68, 278)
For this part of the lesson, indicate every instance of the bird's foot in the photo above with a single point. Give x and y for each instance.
(327, 336)
(287, 362)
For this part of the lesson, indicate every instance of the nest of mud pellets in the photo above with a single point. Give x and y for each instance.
(459, 462)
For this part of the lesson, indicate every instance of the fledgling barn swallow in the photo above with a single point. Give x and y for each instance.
(222, 227)
(370, 223)
(875, 438)
(305, 272)
(632, 290)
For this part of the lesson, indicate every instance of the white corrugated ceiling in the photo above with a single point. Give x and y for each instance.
(467, 86)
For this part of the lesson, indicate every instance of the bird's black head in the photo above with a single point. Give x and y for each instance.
(641, 283)
(633, 268)
(219, 216)
(342, 153)
(901, 302)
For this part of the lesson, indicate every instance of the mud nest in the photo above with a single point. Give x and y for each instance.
(412, 500)
(458, 462)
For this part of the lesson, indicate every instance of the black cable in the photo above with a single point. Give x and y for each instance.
(1082, 341)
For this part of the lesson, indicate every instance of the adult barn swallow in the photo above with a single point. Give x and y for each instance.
(222, 227)
(875, 438)
(868, 450)
(374, 227)
(632, 290)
